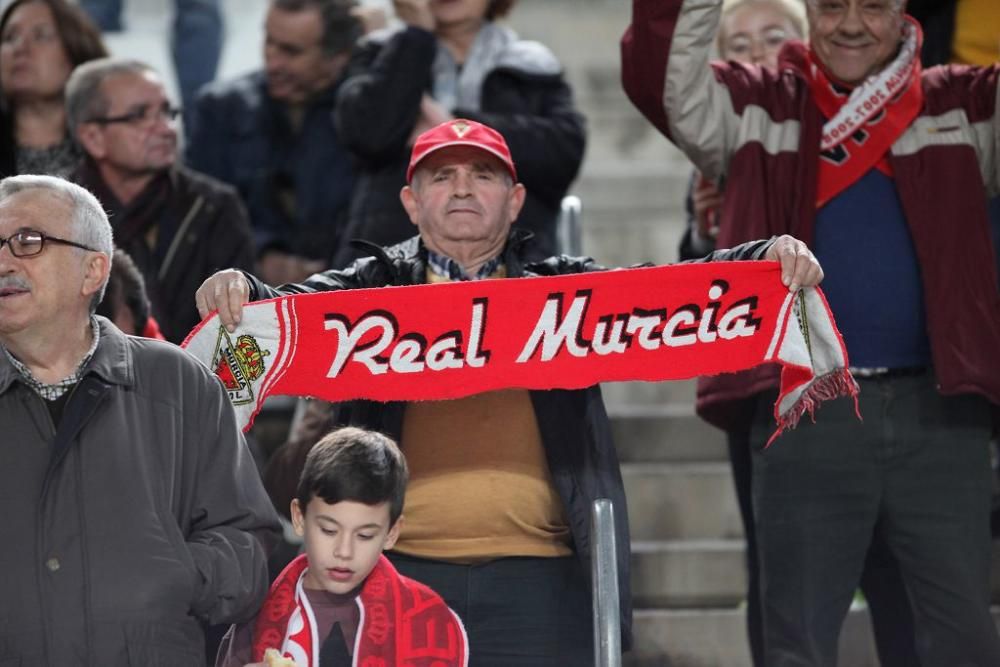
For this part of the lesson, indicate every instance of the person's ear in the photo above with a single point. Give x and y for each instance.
(408, 197)
(393, 534)
(298, 517)
(515, 200)
(91, 138)
(96, 274)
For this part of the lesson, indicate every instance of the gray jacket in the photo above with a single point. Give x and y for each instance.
(139, 517)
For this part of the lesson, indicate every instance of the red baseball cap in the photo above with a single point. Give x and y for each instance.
(460, 132)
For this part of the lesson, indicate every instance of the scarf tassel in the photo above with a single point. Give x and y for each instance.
(832, 385)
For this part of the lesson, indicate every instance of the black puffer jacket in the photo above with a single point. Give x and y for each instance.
(574, 425)
(525, 98)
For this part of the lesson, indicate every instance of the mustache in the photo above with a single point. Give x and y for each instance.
(14, 282)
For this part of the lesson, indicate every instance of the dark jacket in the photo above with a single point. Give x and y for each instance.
(937, 18)
(530, 105)
(8, 146)
(139, 516)
(243, 137)
(765, 142)
(202, 228)
(574, 426)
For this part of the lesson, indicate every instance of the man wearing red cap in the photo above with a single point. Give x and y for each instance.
(497, 516)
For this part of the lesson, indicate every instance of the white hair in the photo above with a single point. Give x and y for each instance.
(89, 222)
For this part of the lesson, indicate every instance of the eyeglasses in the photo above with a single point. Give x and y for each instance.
(29, 242)
(741, 45)
(143, 116)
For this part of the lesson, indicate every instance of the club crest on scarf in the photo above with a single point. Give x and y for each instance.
(238, 366)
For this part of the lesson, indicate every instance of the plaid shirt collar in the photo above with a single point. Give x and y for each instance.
(51, 392)
(446, 267)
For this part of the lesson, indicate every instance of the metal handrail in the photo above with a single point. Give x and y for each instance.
(569, 227)
(604, 583)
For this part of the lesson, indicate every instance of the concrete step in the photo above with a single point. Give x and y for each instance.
(618, 133)
(630, 394)
(681, 501)
(717, 638)
(670, 433)
(707, 573)
(688, 573)
(646, 185)
(627, 246)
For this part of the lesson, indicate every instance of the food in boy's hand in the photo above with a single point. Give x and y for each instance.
(273, 658)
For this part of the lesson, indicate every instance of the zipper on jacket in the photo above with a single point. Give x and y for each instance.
(179, 236)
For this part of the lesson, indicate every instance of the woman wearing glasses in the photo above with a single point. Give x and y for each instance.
(41, 41)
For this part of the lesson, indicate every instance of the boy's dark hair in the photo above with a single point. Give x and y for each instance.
(354, 464)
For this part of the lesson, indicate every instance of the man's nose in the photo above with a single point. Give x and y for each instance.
(852, 22)
(463, 184)
(272, 58)
(163, 124)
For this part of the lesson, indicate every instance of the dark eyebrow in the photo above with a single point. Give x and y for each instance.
(287, 47)
(330, 520)
(486, 166)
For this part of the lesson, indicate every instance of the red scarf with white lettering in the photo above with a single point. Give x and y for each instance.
(862, 124)
(403, 622)
(442, 341)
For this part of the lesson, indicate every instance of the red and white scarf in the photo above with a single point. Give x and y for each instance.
(433, 342)
(863, 125)
(403, 623)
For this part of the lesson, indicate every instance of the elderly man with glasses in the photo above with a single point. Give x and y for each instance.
(177, 225)
(132, 509)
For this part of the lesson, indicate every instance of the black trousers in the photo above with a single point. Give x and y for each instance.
(881, 581)
(530, 612)
(916, 474)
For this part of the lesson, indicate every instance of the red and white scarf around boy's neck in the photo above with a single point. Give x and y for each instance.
(403, 623)
(863, 123)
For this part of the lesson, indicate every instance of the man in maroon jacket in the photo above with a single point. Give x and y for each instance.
(884, 170)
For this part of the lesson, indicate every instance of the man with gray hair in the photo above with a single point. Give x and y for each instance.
(132, 509)
(884, 169)
(177, 224)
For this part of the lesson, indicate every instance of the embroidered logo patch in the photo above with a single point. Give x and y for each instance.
(460, 128)
(238, 365)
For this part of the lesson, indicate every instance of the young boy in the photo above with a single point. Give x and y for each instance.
(342, 602)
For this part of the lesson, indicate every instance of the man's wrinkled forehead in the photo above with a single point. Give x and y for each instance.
(37, 208)
(453, 156)
(894, 4)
